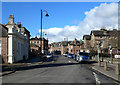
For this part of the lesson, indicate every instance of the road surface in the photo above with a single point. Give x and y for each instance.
(60, 69)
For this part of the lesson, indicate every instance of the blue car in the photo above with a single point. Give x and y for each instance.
(70, 55)
(82, 56)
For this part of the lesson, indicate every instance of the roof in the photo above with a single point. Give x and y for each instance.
(3, 26)
(98, 33)
(37, 38)
(72, 43)
(113, 32)
(88, 37)
(64, 43)
(3, 30)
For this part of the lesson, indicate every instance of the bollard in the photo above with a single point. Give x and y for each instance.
(99, 63)
(105, 65)
(117, 71)
(93, 58)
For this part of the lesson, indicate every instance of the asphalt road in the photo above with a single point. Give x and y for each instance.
(60, 69)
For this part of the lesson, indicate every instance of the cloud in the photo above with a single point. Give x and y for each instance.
(105, 15)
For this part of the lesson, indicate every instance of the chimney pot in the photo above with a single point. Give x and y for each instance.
(19, 23)
(12, 16)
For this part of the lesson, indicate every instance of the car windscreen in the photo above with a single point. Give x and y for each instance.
(49, 54)
(84, 54)
(70, 54)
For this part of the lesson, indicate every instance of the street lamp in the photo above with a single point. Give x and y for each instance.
(41, 25)
(98, 55)
(110, 52)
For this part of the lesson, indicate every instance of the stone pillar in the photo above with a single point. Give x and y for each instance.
(10, 49)
(117, 70)
(99, 63)
(105, 65)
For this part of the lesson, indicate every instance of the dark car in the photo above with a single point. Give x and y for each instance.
(70, 55)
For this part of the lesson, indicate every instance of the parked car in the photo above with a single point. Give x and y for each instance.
(65, 54)
(49, 55)
(82, 56)
(70, 55)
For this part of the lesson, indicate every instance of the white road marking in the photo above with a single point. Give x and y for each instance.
(96, 78)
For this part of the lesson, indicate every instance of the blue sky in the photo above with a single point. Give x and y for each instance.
(61, 13)
(67, 19)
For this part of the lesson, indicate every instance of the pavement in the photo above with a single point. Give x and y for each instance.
(11, 68)
(110, 70)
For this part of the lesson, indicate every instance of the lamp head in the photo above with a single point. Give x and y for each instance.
(47, 15)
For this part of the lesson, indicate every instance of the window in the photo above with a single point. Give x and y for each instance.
(38, 42)
(0, 47)
(100, 36)
(34, 41)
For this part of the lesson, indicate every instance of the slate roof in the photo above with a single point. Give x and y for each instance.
(113, 32)
(88, 37)
(37, 38)
(65, 43)
(98, 33)
(72, 43)
(3, 26)
(3, 31)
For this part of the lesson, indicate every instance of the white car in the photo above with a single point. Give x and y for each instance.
(65, 54)
(49, 55)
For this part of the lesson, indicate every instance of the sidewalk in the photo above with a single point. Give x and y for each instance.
(110, 70)
(11, 68)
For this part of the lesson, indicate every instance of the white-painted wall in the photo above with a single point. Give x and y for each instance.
(18, 45)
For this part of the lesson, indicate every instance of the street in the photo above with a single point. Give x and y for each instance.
(59, 69)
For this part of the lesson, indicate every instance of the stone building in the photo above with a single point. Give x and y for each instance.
(17, 41)
(104, 38)
(35, 44)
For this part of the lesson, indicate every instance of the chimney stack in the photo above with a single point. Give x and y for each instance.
(11, 20)
(19, 24)
(75, 41)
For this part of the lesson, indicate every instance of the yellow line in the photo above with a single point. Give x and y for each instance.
(116, 82)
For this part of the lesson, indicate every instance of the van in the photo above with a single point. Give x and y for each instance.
(82, 56)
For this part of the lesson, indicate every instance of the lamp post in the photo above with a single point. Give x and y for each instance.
(110, 52)
(41, 25)
(98, 55)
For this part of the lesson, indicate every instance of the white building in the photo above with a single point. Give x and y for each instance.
(18, 41)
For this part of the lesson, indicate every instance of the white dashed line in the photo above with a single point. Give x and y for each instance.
(96, 78)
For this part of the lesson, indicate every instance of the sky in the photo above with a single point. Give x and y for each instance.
(66, 19)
